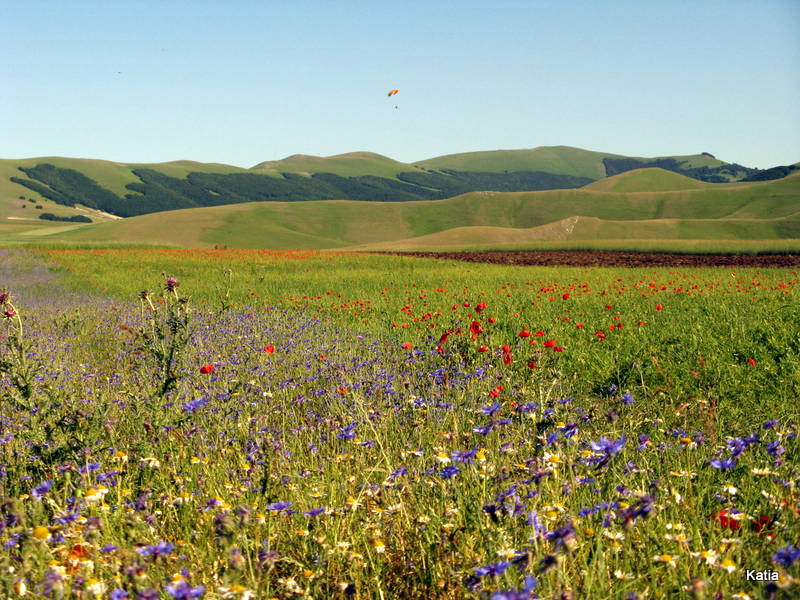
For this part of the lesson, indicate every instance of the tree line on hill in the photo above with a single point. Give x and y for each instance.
(156, 191)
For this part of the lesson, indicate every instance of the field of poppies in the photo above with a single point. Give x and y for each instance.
(275, 424)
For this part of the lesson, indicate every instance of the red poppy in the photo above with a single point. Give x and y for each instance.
(524, 333)
(483, 349)
(269, 349)
(600, 334)
(728, 521)
(549, 343)
(531, 364)
(440, 349)
(321, 357)
(407, 346)
(565, 297)
(475, 329)
(492, 319)
(558, 348)
(480, 306)
(507, 358)
(579, 326)
(205, 369)
(763, 522)
(506, 348)
(751, 362)
(659, 306)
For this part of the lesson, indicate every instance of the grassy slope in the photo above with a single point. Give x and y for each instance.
(650, 180)
(737, 211)
(351, 164)
(552, 159)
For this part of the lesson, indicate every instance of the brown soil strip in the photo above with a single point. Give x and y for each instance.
(614, 259)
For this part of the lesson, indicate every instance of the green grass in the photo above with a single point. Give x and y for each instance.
(199, 468)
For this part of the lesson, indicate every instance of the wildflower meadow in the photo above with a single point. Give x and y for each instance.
(288, 424)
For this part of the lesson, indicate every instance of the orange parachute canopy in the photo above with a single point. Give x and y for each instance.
(392, 92)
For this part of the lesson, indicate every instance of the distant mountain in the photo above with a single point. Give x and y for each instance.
(71, 186)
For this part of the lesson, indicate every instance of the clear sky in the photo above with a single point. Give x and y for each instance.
(242, 82)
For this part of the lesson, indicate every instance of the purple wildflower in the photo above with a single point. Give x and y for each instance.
(40, 490)
(723, 463)
(314, 512)
(523, 594)
(786, 556)
(492, 569)
(180, 590)
(162, 548)
(627, 399)
(608, 447)
(118, 594)
(279, 506)
(449, 472)
(775, 448)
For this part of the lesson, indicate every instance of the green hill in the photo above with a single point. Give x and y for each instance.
(646, 180)
(764, 210)
(103, 190)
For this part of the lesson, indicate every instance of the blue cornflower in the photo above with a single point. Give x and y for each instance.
(108, 548)
(523, 594)
(118, 594)
(279, 506)
(493, 569)
(723, 463)
(347, 433)
(561, 536)
(400, 471)
(527, 407)
(162, 548)
(786, 556)
(570, 429)
(466, 457)
(490, 409)
(449, 471)
(607, 446)
(775, 448)
(551, 438)
(770, 424)
(40, 490)
(627, 399)
(314, 512)
(180, 590)
(483, 429)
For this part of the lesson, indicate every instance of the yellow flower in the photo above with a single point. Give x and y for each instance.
(707, 556)
(666, 558)
(95, 587)
(728, 565)
(442, 458)
(41, 533)
(379, 546)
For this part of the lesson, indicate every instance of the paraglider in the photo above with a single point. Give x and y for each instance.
(392, 92)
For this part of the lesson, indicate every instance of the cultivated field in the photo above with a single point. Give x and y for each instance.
(281, 424)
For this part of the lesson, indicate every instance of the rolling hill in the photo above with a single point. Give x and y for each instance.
(616, 208)
(133, 189)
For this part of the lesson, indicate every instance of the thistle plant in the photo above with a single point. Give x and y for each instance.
(165, 333)
(15, 361)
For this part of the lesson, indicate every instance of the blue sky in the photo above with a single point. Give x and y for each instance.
(243, 82)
